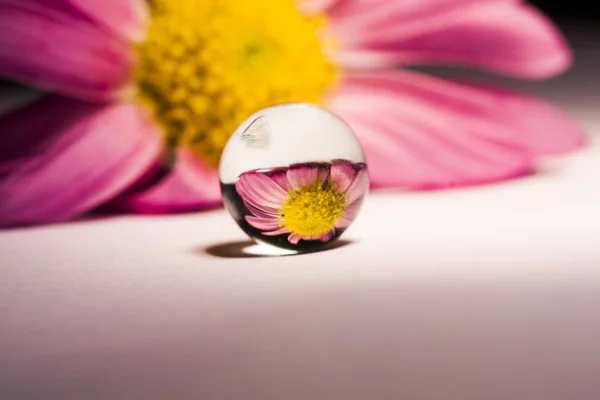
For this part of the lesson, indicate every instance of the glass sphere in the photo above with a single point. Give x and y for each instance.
(293, 176)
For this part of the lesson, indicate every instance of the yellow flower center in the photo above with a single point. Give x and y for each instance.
(207, 65)
(312, 211)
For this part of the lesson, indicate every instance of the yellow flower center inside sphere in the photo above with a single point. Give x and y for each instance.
(312, 211)
(208, 65)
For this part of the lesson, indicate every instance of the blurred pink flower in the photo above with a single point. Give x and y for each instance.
(96, 141)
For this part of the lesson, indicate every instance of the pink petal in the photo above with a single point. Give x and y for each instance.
(422, 133)
(128, 18)
(60, 158)
(259, 213)
(279, 231)
(353, 13)
(57, 51)
(502, 36)
(253, 203)
(190, 185)
(342, 223)
(318, 236)
(349, 214)
(549, 130)
(358, 187)
(281, 179)
(301, 177)
(261, 191)
(543, 128)
(125, 18)
(294, 239)
(341, 176)
(323, 174)
(309, 7)
(327, 236)
(263, 223)
(391, 163)
(352, 210)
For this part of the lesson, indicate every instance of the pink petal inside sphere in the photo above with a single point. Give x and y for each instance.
(258, 198)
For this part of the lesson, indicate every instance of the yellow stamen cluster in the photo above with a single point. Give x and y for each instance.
(207, 65)
(312, 211)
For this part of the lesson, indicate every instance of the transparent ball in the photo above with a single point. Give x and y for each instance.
(293, 176)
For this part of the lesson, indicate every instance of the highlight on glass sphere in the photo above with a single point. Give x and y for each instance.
(293, 176)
